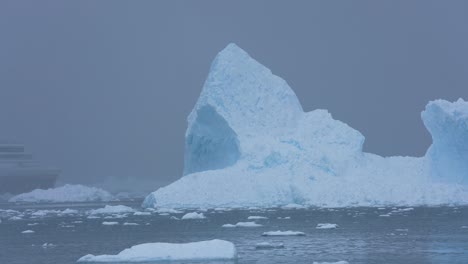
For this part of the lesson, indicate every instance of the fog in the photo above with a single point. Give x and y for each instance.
(102, 89)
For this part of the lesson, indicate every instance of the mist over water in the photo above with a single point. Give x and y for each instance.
(102, 91)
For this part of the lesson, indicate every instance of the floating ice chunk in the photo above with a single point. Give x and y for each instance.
(168, 211)
(267, 245)
(15, 218)
(48, 245)
(69, 211)
(130, 224)
(77, 222)
(93, 217)
(401, 229)
(112, 209)
(44, 212)
(66, 193)
(385, 215)
(326, 226)
(110, 223)
(142, 213)
(402, 210)
(27, 232)
(32, 224)
(193, 215)
(243, 224)
(293, 206)
(195, 251)
(283, 233)
(228, 225)
(285, 218)
(334, 262)
(256, 217)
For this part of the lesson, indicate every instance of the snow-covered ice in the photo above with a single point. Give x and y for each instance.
(110, 223)
(256, 217)
(196, 251)
(283, 233)
(112, 209)
(334, 262)
(243, 224)
(142, 213)
(48, 245)
(130, 224)
(63, 194)
(250, 144)
(193, 215)
(326, 226)
(27, 232)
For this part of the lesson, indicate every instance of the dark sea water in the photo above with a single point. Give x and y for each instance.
(419, 235)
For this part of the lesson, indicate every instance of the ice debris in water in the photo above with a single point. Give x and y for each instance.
(112, 209)
(193, 215)
(283, 233)
(326, 226)
(243, 224)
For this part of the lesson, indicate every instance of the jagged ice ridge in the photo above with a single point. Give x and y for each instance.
(249, 143)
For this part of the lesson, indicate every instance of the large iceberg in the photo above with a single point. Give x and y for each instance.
(249, 143)
(63, 194)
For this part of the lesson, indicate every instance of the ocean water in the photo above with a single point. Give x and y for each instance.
(364, 235)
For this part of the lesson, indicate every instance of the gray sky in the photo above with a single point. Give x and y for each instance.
(101, 89)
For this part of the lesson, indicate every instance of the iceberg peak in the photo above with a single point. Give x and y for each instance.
(249, 143)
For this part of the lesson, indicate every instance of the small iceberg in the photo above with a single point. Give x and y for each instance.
(64, 194)
(243, 224)
(130, 224)
(28, 232)
(196, 251)
(110, 223)
(283, 233)
(336, 262)
(48, 245)
(267, 245)
(142, 213)
(326, 226)
(193, 215)
(112, 209)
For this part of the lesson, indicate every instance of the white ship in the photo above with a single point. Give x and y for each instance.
(19, 173)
